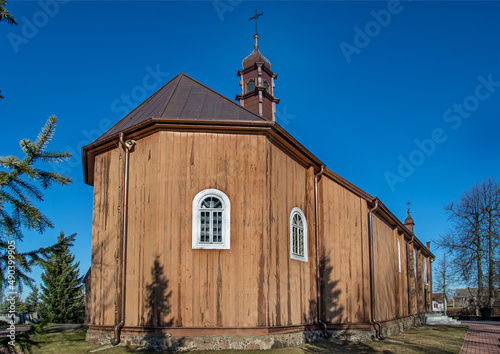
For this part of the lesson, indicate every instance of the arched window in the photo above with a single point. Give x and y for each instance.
(251, 86)
(414, 263)
(298, 235)
(399, 256)
(425, 270)
(266, 86)
(211, 220)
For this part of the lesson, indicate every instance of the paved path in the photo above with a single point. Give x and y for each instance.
(482, 337)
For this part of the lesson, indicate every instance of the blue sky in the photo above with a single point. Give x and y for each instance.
(401, 99)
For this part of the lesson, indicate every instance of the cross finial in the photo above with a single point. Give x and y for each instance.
(255, 17)
(408, 203)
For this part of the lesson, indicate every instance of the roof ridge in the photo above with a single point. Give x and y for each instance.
(178, 77)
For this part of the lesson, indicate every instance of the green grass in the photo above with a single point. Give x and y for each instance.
(426, 339)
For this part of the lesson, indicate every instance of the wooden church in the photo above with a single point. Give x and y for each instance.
(213, 227)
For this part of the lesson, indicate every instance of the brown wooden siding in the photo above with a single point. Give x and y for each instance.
(255, 283)
(169, 283)
(104, 239)
(345, 262)
(385, 271)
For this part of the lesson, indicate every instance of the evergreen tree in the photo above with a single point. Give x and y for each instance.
(5, 15)
(62, 288)
(32, 301)
(17, 196)
(18, 303)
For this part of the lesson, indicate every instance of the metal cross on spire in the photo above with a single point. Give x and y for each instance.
(408, 203)
(255, 17)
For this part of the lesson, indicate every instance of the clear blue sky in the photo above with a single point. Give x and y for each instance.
(364, 91)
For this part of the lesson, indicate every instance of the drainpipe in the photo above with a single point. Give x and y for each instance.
(372, 274)
(413, 321)
(316, 212)
(127, 146)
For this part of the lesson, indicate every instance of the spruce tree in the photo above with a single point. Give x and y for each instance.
(32, 301)
(62, 288)
(20, 306)
(5, 15)
(21, 185)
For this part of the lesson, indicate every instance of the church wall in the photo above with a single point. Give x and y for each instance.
(178, 286)
(168, 283)
(292, 284)
(344, 248)
(255, 283)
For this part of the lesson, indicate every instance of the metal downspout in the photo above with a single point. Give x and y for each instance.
(372, 267)
(316, 212)
(413, 321)
(127, 145)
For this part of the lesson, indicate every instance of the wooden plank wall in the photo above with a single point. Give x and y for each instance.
(345, 262)
(292, 283)
(253, 284)
(385, 269)
(104, 238)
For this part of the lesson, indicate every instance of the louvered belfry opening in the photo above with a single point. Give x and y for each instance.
(257, 84)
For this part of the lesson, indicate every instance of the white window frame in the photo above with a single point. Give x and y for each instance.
(295, 256)
(226, 218)
(415, 263)
(425, 270)
(399, 255)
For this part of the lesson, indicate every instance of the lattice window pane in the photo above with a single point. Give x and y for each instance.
(301, 242)
(205, 227)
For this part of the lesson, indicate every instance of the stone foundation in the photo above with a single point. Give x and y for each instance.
(169, 343)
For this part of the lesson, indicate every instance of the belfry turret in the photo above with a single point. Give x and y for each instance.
(257, 81)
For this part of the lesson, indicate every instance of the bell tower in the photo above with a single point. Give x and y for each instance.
(257, 81)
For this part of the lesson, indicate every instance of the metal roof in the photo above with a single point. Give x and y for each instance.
(184, 98)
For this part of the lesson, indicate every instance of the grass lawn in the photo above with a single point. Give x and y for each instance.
(426, 339)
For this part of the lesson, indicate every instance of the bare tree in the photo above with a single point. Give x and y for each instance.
(489, 193)
(473, 239)
(443, 278)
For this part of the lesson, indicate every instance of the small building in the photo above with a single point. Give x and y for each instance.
(439, 302)
(468, 298)
(213, 227)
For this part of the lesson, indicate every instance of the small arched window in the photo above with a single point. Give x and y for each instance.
(251, 86)
(266, 86)
(414, 263)
(425, 270)
(211, 220)
(298, 235)
(399, 256)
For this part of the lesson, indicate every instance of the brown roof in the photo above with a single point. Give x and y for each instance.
(184, 98)
(437, 297)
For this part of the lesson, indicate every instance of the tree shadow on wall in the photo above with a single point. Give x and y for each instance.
(331, 308)
(158, 308)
